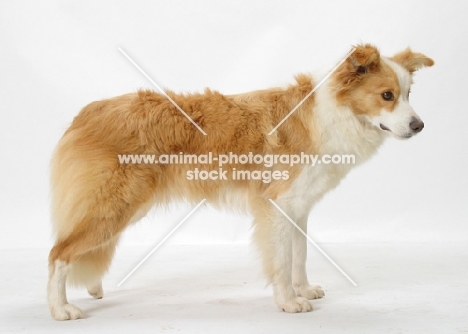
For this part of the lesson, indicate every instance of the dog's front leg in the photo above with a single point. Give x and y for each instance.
(299, 275)
(274, 238)
(284, 293)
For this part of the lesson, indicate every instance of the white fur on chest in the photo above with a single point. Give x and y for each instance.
(341, 133)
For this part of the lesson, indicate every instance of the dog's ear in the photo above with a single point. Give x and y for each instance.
(412, 61)
(366, 58)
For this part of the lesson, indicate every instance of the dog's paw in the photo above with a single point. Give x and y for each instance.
(96, 291)
(296, 305)
(310, 292)
(66, 312)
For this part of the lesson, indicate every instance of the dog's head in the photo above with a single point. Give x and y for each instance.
(377, 88)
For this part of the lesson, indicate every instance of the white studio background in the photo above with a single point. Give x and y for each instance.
(57, 56)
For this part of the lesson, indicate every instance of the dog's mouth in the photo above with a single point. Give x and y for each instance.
(404, 136)
(383, 127)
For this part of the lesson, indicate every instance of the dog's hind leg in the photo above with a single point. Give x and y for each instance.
(95, 290)
(85, 247)
(91, 242)
(90, 267)
(56, 292)
(93, 201)
(299, 275)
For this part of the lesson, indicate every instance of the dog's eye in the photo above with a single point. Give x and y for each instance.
(388, 96)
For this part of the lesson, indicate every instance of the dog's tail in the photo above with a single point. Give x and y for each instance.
(90, 267)
(76, 174)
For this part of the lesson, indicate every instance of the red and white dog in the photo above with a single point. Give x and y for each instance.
(94, 197)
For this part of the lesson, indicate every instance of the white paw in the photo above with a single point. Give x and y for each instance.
(96, 291)
(296, 305)
(310, 292)
(66, 312)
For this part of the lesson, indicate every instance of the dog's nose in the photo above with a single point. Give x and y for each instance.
(416, 124)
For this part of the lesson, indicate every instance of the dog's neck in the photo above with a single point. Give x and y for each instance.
(340, 130)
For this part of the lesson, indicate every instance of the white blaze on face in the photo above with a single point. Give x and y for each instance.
(402, 121)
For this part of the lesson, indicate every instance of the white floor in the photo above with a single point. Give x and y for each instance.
(402, 288)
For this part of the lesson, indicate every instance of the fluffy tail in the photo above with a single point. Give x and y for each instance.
(90, 267)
